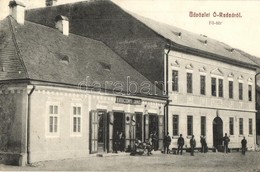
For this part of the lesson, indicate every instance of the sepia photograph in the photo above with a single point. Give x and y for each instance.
(129, 85)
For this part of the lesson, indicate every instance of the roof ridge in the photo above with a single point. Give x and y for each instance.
(16, 46)
(69, 3)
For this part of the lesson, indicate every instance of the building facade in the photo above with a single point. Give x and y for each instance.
(78, 123)
(211, 85)
(210, 98)
(65, 96)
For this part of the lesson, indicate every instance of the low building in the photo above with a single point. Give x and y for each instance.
(211, 85)
(65, 96)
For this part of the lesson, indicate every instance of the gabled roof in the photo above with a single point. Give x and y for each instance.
(81, 12)
(36, 52)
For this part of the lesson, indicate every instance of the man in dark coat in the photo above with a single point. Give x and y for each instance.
(226, 141)
(180, 143)
(243, 143)
(192, 145)
(203, 144)
(166, 143)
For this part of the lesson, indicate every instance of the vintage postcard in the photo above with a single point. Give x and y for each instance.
(129, 85)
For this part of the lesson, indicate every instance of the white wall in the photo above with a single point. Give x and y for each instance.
(197, 105)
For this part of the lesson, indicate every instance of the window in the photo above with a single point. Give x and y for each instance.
(76, 119)
(240, 91)
(231, 126)
(230, 87)
(203, 125)
(250, 127)
(249, 92)
(189, 125)
(220, 87)
(213, 86)
(175, 123)
(241, 126)
(189, 82)
(53, 118)
(175, 80)
(202, 85)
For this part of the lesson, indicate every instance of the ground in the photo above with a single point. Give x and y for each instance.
(157, 162)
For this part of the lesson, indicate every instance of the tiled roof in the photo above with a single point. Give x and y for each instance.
(100, 10)
(48, 55)
(195, 41)
(11, 65)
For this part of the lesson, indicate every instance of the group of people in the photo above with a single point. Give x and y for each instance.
(119, 140)
(204, 147)
(180, 142)
(147, 146)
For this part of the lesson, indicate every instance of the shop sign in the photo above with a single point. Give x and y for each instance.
(131, 101)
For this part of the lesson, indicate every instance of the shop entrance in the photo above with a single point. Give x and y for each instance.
(153, 125)
(217, 133)
(118, 132)
(153, 129)
(139, 126)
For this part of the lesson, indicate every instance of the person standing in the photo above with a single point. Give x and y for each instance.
(116, 141)
(154, 141)
(192, 145)
(226, 140)
(150, 142)
(203, 144)
(166, 142)
(180, 143)
(243, 143)
(121, 141)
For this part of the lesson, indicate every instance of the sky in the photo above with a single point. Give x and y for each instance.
(242, 32)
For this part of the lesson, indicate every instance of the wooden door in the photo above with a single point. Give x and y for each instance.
(128, 133)
(146, 127)
(93, 141)
(133, 130)
(160, 131)
(110, 123)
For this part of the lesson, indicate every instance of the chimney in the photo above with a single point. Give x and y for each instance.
(17, 11)
(51, 3)
(62, 24)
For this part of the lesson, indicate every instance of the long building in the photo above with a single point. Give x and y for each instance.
(65, 96)
(211, 85)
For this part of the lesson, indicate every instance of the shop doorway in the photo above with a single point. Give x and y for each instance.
(139, 126)
(153, 129)
(153, 124)
(119, 132)
(217, 133)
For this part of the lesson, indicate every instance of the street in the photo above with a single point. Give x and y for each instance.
(156, 162)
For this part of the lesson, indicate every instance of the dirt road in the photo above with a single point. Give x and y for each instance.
(157, 162)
